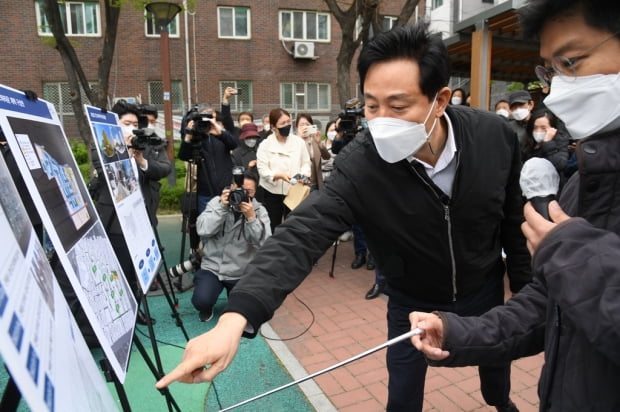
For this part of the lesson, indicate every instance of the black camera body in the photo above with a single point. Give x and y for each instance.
(238, 195)
(202, 123)
(350, 117)
(144, 137)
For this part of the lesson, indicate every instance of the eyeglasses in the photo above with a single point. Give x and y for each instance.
(565, 66)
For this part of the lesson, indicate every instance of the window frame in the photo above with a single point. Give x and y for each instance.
(176, 95)
(237, 105)
(302, 88)
(305, 37)
(248, 16)
(174, 24)
(66, 16)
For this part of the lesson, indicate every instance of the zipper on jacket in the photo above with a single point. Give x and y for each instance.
(446, 208)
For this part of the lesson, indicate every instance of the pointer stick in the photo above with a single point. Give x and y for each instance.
(407, 335)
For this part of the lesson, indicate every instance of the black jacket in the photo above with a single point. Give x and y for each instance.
(429, 246)
(158, 167)
(214, 162)
(572, 309)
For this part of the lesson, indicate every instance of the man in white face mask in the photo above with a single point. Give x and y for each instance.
(434, 188)
(521, 106)
(571, 310)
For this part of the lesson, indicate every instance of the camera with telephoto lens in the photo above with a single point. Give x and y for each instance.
(144, 137)
(202, 124)
(193, 263)
(238, 195)
(350, 118)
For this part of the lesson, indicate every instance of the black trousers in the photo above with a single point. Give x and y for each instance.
(407, 366)
(276, 209)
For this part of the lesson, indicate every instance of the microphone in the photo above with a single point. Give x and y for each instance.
(539, 183)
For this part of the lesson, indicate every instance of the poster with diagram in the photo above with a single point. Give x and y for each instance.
(121, 174)
(46, 163)
(40, 342)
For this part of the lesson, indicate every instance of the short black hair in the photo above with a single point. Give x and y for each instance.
(601, 14)
(415, 42)
(501, 101)
(123, 107)
(306, 116)
(537, 114)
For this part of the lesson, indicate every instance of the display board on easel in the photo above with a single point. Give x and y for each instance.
(45, 160)
(121, 175)
(40, 342)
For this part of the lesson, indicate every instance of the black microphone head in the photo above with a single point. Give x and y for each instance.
(539, 178)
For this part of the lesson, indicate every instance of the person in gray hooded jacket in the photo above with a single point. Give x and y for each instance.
(232, 228)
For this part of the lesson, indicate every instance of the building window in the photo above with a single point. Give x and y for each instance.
(59, 94)
(233, 22)
(243, 100)
(78, 19)
(156, 95)
(387, 23)
(437, 3)
(151, 28)
(304, 25)
(305, 97)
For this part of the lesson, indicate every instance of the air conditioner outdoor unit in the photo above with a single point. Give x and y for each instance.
(304, 50)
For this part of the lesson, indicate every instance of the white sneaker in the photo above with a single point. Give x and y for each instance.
(346, 236)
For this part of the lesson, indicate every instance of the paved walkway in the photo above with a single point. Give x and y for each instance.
(345, 324)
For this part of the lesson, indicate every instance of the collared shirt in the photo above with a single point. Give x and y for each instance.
(442, 174)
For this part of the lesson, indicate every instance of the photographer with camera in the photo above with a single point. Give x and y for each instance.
(232, 228)
(207, 144)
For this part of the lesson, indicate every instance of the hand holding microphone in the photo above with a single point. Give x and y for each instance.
(539, 183)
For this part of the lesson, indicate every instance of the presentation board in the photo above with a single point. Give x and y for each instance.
(47, 165)
(122, 178)
(40, 342)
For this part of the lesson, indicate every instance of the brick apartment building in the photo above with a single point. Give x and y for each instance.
(279, 52)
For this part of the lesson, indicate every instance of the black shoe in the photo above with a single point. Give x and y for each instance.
(510, 407)
(154, 286)
(358, 261)
(370, 264)
(141, 320)
(205, 315)
(374, 291)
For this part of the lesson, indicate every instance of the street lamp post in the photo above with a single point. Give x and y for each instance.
(164, 13)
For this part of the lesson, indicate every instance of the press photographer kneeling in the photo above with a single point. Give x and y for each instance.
(232, 228)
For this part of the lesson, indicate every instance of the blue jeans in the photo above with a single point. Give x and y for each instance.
(359, 240)
(407, 367)
(202, 202)
(207, 288)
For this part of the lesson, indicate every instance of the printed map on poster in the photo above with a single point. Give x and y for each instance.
(40, 342)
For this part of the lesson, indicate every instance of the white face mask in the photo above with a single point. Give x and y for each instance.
(520, 114)
(539, 136)
(267, 127)
(331, 135)
(456, 100)
(396, 139)
(127, 130)
(503, 112)
(250, 142)
(598, 94)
